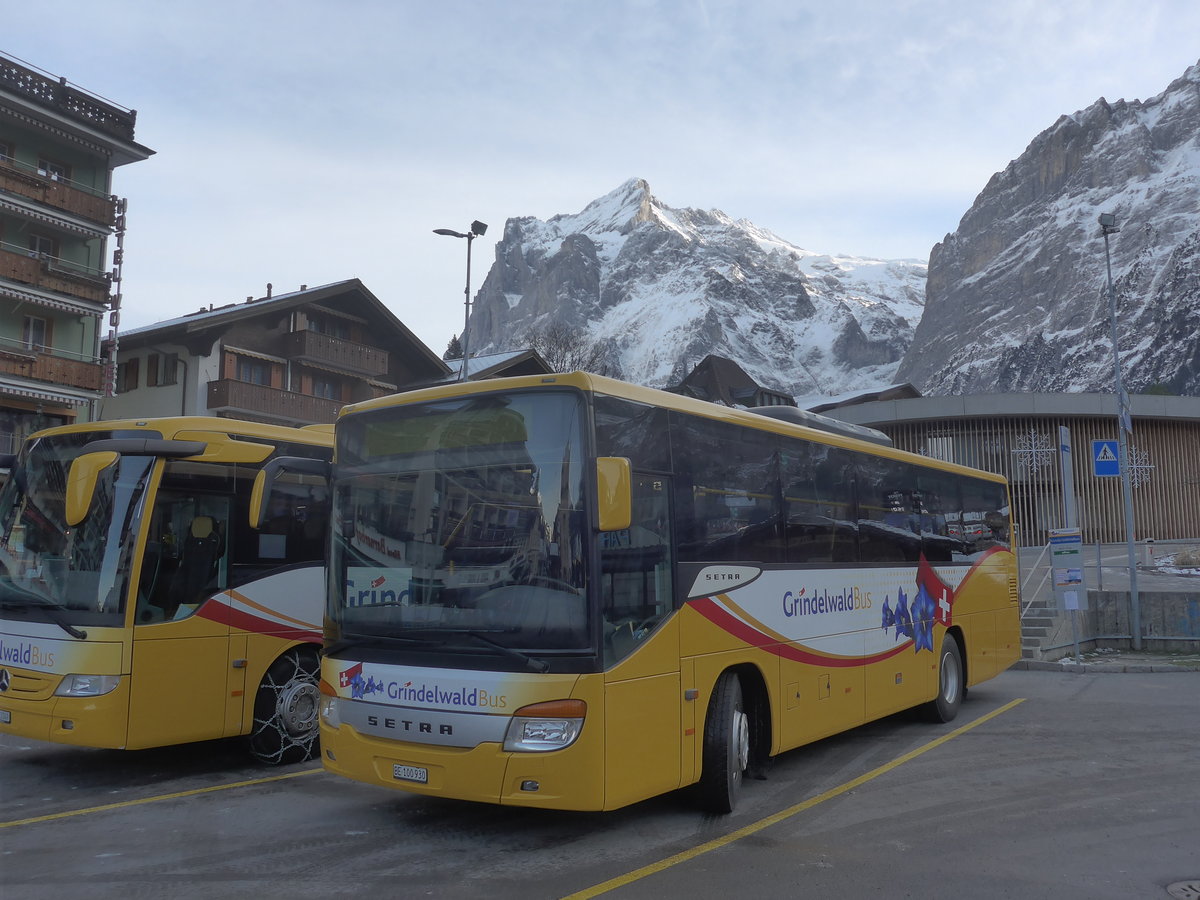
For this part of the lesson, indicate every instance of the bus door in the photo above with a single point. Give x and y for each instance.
(642, 696)
(181, 660)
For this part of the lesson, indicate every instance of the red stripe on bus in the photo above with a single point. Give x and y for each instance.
(216, 611)
(720, 617)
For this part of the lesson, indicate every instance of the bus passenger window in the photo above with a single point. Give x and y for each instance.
(889, 512)
(984, 516)
(939, 509)
(727, 491)
(818, 496)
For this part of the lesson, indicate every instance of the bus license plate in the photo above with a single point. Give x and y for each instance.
(410, 773)
(5, 717)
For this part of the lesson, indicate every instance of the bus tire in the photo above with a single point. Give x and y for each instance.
(287, 709)
(951, 683)
(726, 747)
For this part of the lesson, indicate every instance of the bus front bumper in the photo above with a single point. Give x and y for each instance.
(486, 773)
(80, 721)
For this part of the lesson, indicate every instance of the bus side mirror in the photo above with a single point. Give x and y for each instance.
(81, 482)
(265, 478)
(258, 495)
(614, 492)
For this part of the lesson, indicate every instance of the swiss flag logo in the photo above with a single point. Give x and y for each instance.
(347, 676)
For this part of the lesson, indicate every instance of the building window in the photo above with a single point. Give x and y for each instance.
(42, 244)
(6, 151)
(35, 333)
(127, 376)
(54, 170)
(254, 371)
(330, 325)
(161, 369)
(769, 398)
(327, 388)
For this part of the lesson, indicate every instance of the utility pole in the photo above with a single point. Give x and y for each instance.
(1108, 225)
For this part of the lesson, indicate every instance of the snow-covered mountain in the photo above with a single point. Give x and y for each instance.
(1016, 297)
(660, 288)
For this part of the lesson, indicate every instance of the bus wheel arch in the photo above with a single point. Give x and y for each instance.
(287, 708)
(736, 737)
(951, 679)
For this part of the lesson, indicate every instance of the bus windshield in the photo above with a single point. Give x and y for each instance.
(460, 525)
(69, 575)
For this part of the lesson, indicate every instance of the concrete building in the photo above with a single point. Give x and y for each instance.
(1017, 435)
(61, 233)
(292, 359)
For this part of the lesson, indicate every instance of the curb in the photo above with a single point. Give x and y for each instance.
(1066, 665)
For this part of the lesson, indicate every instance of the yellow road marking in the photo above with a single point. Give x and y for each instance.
(127, 803)
(776, 818)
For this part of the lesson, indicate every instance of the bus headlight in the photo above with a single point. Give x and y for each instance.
(545, 726)
(87, 685)
(330, 714)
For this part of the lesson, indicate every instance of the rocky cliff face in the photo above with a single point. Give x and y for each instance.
(660, 288)
(1016, 297)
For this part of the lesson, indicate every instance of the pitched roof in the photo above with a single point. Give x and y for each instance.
(214, 320)
(721, 380)
(498, 365)
(902, 391)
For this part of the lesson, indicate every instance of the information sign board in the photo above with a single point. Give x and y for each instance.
(1066, 562)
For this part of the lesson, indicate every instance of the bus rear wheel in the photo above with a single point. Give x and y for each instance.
(726, 747)
(951, 683)
(286, 709)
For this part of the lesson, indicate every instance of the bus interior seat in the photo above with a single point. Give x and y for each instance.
(197, 564)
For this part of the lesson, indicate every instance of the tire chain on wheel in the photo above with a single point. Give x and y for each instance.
(281, 746)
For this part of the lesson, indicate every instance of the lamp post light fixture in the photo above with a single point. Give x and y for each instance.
(1108, 225)
(477, 229)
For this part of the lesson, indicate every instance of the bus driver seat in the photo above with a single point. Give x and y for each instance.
(201, 549)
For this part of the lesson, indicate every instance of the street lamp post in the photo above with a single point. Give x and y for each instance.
(1108, 225)
(477, 228)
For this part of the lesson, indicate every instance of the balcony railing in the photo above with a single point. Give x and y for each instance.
(336, 353)
(25, 181)
(40, 365)
(52, 274)
(72, 101)
(243, 397)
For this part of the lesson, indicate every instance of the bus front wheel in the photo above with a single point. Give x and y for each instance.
(951, 683)
(726, 747)
(286, 709)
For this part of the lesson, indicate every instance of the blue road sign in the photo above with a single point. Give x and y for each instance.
(1105, 462)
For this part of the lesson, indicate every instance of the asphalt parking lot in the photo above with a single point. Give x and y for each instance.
(1049, 784)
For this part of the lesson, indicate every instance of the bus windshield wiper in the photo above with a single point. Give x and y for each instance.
(52, 608)
(532, 664)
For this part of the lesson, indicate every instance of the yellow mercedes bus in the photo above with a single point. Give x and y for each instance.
(574, 593)
(138, 608)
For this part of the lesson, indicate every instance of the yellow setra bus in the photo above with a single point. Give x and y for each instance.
(138, 608)
(574, 593)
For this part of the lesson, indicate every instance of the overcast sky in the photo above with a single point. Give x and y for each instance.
(307, 142)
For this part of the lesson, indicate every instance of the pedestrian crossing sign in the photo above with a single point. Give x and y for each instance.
(1105, 460)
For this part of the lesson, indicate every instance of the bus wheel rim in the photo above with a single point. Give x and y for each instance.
(950, 677)
(741, 741)
(298, 705)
